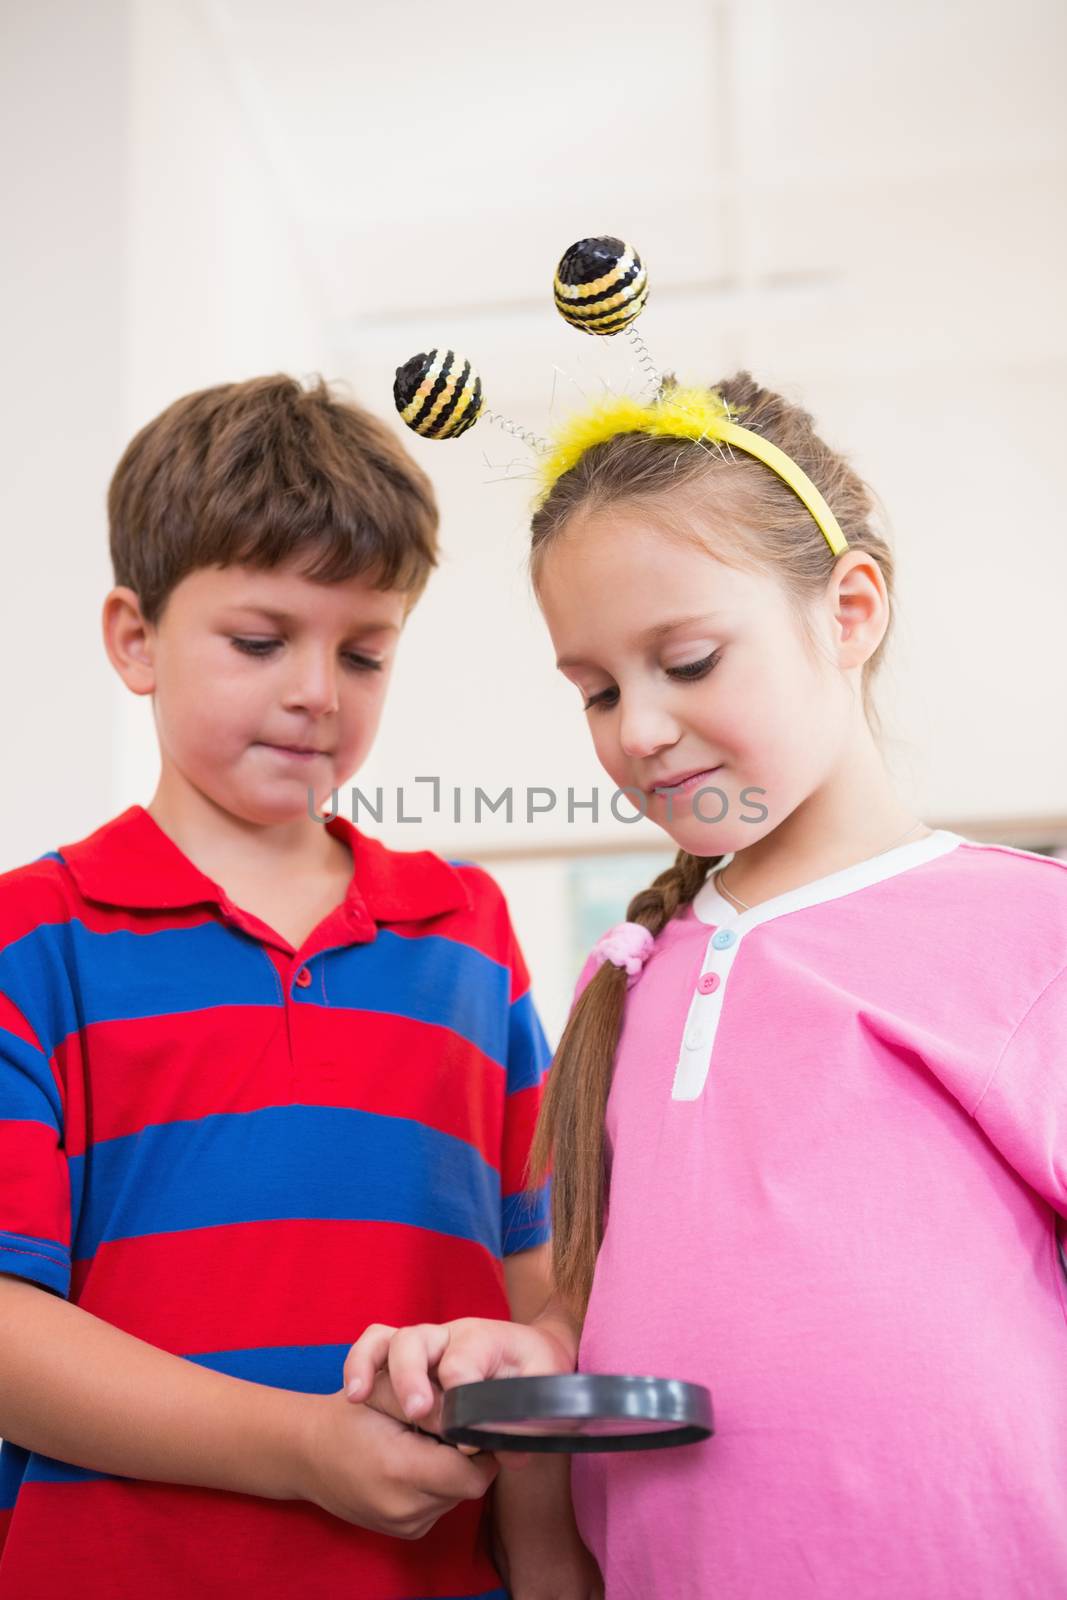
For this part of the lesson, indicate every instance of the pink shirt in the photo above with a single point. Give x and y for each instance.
(836, 1178)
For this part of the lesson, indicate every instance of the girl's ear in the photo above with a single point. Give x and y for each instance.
(860, 606)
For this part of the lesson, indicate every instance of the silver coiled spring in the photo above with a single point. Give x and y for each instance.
(653, 377)
(534, 440)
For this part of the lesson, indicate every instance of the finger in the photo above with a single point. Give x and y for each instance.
(465, 1365)
(366, 1358)
(413, 1354)
(480, 1350)
(383, 1398)
(429, 1433)
(435, 1432)
(442, 1471)
(431, 1419)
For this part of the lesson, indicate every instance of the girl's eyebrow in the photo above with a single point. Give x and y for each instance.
(661, 629)
(649, 636)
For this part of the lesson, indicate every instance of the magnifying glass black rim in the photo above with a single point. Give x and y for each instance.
(471, 1409)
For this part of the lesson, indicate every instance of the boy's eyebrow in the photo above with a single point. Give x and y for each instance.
(266, 611)
(283, 617)
(650, 635)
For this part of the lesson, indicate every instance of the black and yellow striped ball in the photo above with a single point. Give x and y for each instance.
(601, 285)
(438, 394)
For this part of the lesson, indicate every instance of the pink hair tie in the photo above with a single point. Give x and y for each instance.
(627, 945)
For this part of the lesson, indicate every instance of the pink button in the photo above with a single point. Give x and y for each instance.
(708, 982)
(303, 977)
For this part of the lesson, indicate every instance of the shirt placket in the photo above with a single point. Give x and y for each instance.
(705, 1011)
(304, 985)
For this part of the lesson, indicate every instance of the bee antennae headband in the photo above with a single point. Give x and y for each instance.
(600, 287)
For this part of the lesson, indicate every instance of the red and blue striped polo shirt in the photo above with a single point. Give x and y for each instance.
(244, 1154)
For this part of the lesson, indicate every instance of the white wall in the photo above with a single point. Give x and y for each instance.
(863, 203)
(64, 77)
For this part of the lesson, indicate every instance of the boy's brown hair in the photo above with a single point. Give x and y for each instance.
(263, 473)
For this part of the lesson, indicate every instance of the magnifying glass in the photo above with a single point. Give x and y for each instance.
(577, 1412)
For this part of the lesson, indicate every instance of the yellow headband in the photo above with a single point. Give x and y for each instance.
(683, 414)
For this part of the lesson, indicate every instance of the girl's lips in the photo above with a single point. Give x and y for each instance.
(687, 785)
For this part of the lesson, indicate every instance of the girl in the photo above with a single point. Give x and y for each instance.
(809, 1116)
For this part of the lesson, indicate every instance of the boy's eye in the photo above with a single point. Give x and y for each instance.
(267, 647)
(606, 697)
(691, 672)
(254, 647)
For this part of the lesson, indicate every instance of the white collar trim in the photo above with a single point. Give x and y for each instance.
(709, 906)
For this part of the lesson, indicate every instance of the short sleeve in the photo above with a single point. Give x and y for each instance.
(35, 1206)
(525, 1217)
(1023, 1108)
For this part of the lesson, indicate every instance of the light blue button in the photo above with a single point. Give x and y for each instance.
(724, 939)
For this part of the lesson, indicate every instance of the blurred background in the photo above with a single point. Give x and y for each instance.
(863, 204)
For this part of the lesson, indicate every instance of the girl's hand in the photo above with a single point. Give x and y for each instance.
(535, 1541)
(559, 1579)
(465, 1351)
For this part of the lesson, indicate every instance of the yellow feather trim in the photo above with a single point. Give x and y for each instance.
(679, 413)
(682, 414)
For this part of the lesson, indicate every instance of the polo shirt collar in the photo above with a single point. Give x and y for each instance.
(132, 862)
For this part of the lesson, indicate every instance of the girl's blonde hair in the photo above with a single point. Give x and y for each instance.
(759, 523)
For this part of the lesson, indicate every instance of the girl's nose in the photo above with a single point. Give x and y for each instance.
(645, 727)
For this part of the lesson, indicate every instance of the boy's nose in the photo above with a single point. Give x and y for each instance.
(314, 686)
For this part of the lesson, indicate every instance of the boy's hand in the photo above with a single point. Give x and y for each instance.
(465, 1351)
(367, 1467)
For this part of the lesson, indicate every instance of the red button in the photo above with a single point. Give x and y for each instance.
(303, 977)
(708, 982)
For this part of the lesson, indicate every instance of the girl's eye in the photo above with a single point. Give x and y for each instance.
(266, 647)
(692, 672)
(695, 669)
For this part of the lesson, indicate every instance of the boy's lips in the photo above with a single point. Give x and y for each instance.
(302, 753)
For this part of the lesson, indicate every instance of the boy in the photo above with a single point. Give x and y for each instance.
(262, 1080)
